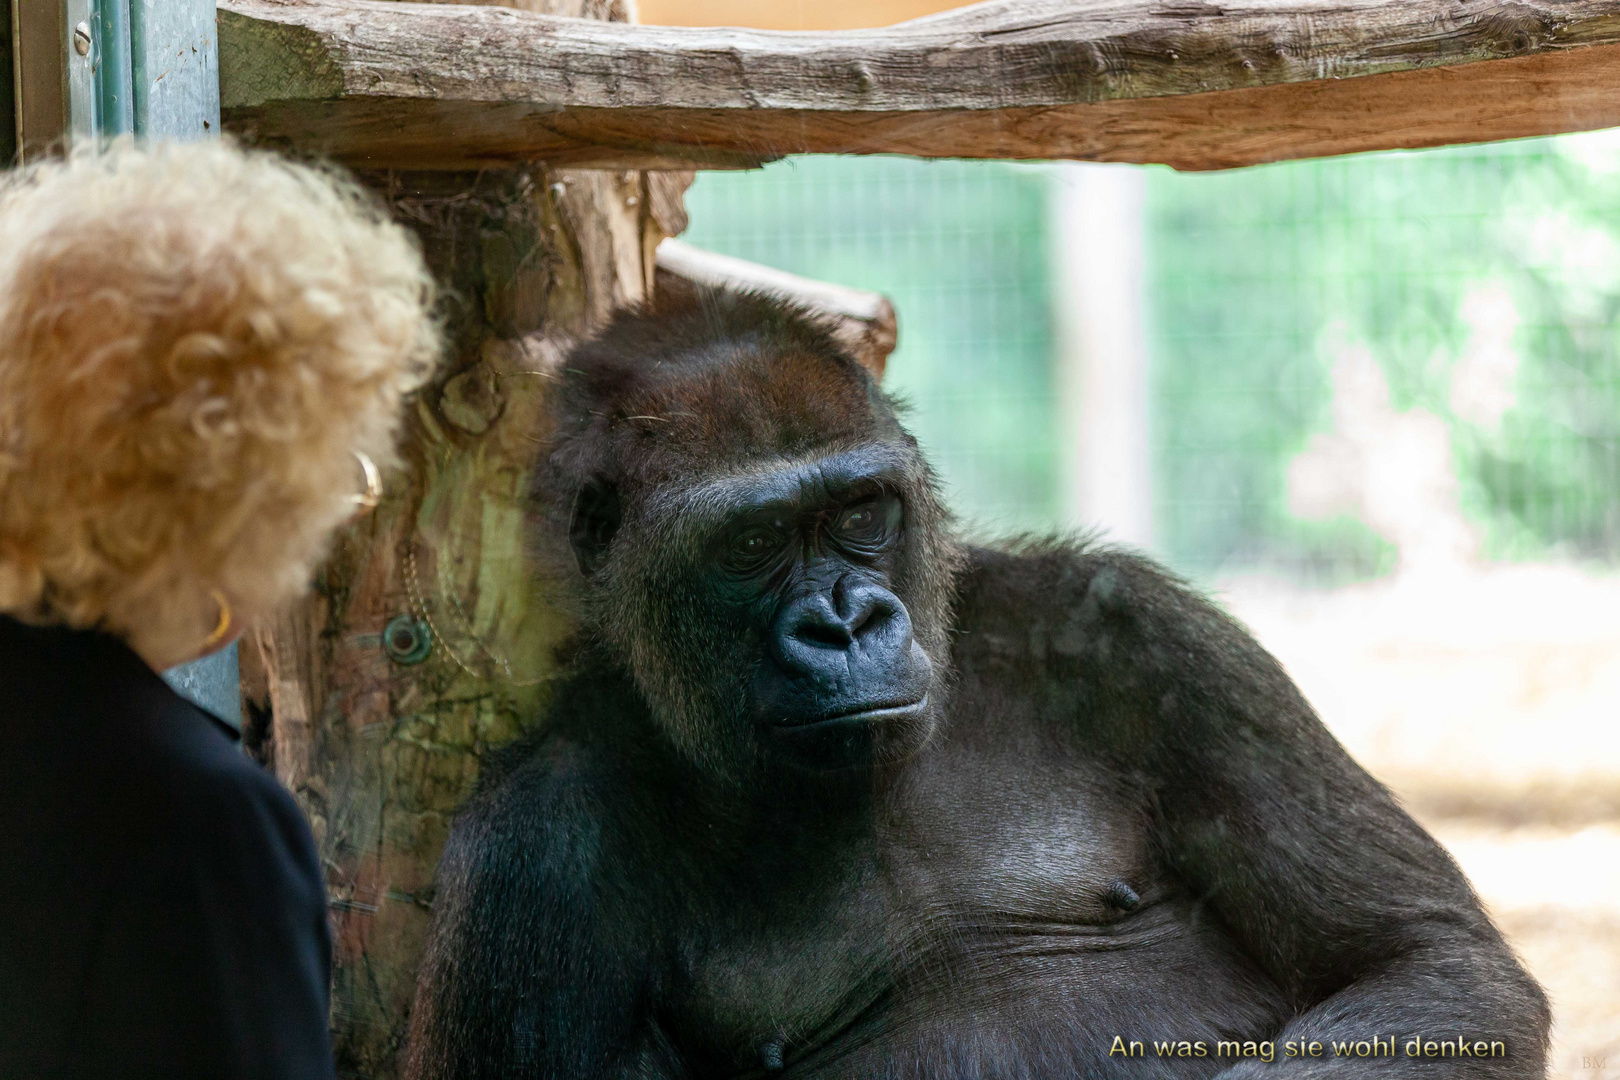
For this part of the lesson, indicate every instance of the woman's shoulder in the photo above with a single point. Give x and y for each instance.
(215, 800)
(89, 725)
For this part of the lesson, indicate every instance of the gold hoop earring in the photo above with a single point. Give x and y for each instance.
(224, 626)
(368, 499)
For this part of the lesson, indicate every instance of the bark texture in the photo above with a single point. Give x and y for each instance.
(428, 641)
(1194, 85)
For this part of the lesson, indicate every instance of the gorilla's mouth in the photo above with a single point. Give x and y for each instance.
(883, 713)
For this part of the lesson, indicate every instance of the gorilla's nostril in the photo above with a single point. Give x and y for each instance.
(864, 608)
(826, 634)
(815, 621)
(862, 624)
(877, 615)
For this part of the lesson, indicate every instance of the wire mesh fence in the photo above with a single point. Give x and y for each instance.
(1481, 283)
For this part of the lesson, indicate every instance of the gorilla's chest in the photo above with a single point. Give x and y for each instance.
(989, 864)
(1004, 824)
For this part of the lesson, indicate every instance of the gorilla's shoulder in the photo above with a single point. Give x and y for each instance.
(567, 752)
(541, 792)
(563, 793)
(1048, 570)
(1106, 616)
(1041, 594)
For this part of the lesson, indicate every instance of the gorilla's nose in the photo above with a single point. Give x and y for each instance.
(845, 670)
(832, 633)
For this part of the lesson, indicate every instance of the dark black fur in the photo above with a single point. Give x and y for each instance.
(1115, 816)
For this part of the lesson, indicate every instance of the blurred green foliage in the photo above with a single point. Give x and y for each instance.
(1417, 256)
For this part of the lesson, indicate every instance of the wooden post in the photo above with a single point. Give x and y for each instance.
(43, 68)
(428, 642)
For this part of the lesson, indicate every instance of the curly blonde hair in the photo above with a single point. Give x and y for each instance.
(194, 340)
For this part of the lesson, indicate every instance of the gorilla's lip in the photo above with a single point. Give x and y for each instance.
(863, 714)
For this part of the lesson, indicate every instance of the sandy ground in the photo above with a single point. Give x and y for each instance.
(1489, 700)
(1556, 894)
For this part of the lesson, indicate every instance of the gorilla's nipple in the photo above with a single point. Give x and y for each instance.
(770, 1055)
(1122, 896)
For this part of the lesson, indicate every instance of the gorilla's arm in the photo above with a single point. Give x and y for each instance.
(1340, 896)
(533, 968)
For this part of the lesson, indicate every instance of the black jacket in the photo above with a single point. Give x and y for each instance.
(162, 911)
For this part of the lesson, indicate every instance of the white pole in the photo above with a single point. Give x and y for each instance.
(1102, 350)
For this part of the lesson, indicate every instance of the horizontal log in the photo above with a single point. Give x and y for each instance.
(1193, 85)
(863, 322)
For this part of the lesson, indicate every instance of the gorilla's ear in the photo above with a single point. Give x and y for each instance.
(596, 519)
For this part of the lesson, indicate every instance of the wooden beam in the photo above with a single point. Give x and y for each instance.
(863, 322)
(776, 15)
(1193, 85)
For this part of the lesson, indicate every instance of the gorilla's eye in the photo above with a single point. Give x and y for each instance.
(860, 520)
(869, 523)
(752, 545)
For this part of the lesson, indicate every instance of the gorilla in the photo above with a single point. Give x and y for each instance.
(828, 792)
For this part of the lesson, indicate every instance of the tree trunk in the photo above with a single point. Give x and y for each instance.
(428, 642)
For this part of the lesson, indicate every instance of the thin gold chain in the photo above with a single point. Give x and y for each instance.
(414, 585)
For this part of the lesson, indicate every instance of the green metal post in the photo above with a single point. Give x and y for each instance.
(114, 101)
(175, 60)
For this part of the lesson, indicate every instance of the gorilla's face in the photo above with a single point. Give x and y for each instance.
(806, 559)
(779, 594)
(761, 545)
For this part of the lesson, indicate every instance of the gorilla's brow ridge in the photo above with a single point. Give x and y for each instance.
(716, 499)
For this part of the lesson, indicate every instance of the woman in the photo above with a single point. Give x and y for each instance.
(201, 352)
